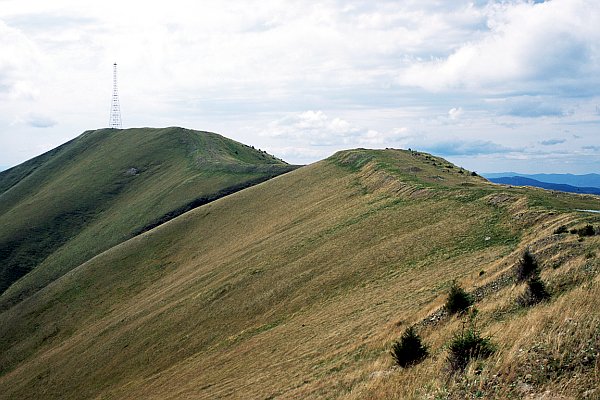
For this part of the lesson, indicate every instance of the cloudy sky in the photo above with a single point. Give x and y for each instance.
(490, 85)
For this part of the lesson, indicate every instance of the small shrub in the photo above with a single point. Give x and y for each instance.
(482, 272)
(560, 229)
(534, 293)
(573, 231)
(474, 173)
(587, 230)
(468, 344)
(409, 350)
(526, 267)
(458, 300)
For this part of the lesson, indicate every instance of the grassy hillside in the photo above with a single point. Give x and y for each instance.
(296, 288)
(66, 206)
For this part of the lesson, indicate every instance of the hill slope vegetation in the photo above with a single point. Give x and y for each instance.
(296, 288)
(68, 205)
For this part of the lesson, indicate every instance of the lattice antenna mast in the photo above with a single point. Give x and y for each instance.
(115, 108)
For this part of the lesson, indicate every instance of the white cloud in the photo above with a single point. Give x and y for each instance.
(313, 127)
(529, 107)
(19, 60)
(260, 64)
(39, 121)
(455, 113)
(300, 155)
(458, 147)
(527, 43)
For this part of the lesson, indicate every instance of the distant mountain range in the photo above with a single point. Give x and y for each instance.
(580, 181)
(522, 181)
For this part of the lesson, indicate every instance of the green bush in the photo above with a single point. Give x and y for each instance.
(527, 267)
(466, 345)
(560, 229)
(458, 300)
(534, 293)
(409, 350)
(587, 230)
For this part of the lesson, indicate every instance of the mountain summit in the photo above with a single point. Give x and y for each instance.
(100, 189)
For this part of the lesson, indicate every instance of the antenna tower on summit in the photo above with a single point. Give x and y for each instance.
(115, 108)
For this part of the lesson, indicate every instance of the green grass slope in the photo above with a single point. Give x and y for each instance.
(296, 287)
(66, 206)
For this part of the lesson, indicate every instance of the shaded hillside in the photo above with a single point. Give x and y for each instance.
(71, 203)
(296, 287)
(521, 181)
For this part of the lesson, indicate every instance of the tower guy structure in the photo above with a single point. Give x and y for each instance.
(115, 108)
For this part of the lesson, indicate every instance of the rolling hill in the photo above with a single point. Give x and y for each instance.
(522, 181)
(100, 189)
(296, 287)
(586, 180)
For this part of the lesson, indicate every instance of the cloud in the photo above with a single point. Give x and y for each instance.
(528, 106)
(531, 45)
(39, 121)
(312, 126)
(312, 135)
(315, 128)
(300, 155)
(56, 22)
(534, 110)
(592, 148)
(248, 67)
(582, 122)
(34, 120)
(551, 142)
(464, 148)
(455, 113)
(19, 60)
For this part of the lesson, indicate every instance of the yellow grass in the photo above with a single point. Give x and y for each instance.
(295, 288)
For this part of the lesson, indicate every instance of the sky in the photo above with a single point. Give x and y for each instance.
(489, 85)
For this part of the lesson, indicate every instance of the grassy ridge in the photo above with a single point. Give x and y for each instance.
(294, 288)
(64, 207)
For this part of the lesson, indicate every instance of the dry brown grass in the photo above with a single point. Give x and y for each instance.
(551, 350)
(296, 288)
